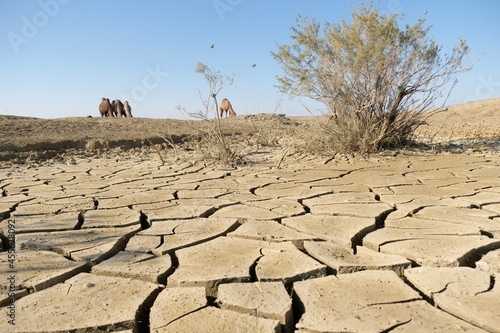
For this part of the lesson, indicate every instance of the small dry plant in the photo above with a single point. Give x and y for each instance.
(213, 143)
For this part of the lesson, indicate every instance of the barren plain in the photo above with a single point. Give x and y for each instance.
(118, 225)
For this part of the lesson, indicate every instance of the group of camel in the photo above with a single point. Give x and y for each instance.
(118, 109)
(115, 108)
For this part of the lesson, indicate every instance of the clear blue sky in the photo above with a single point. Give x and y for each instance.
(58, 58)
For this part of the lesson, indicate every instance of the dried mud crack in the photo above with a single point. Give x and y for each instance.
(366, 245)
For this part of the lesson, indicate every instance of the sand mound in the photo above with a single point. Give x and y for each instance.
(479, 113)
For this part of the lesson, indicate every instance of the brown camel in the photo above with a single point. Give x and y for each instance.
(225, 105)
(111, 108)
(105, 108)
(118, 108)
(127, 109)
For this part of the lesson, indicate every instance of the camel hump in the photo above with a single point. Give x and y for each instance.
(225, 105)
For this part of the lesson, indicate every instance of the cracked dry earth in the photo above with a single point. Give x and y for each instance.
(406, 243)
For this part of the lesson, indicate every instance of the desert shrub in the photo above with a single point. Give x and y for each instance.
(374, 77)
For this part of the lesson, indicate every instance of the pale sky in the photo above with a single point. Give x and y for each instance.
(58, 58)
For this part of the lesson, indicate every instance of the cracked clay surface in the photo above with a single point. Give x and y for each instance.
(382, 244)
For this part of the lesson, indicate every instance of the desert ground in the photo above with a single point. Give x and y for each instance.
(120, 225)
(25, 139)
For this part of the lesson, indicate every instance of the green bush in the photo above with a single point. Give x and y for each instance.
(374, 77)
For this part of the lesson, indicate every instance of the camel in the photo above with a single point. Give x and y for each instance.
(225, 105)
(105, 108)
(110, 114)
(113, 109)
(118, 108)
(127, 109)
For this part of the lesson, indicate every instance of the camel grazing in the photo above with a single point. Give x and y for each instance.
(105, 108)
(127, 109)
(225, 105)
(118, 108)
